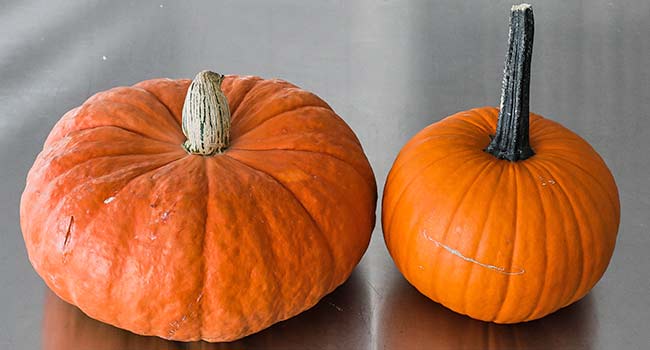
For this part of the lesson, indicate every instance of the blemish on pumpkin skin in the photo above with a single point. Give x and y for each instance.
(176, 324)
(155, 202)
(166, 213)
(108, 200)
(66, 240)
(54, 280)
(455, 252)
(546, 181)
(67, 233)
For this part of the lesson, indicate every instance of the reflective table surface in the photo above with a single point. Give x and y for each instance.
(389, 68)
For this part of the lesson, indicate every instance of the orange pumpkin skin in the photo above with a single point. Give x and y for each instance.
(119, 220)
(498, 240)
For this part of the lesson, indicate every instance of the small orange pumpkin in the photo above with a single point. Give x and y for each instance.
(500, 214)
(151, 210)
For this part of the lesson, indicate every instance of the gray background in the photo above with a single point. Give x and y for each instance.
(389, 68)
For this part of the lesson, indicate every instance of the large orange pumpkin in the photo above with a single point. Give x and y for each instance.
(213, 230)
(500, 214)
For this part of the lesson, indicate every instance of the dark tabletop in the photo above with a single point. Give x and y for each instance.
(389, 68)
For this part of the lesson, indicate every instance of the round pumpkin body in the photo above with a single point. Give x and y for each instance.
(121, 221)
(494, 239)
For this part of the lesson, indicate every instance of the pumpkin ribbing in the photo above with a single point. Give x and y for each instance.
(511, 140)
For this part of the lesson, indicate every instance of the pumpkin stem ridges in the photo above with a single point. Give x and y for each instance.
(206, 116)
(511, 140)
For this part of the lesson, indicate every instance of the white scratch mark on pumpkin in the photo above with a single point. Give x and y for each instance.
(54, 280)
(546, 181)
(455, 252)
(108, 200)
(176, 324)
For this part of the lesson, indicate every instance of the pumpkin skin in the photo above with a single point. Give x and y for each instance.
(121, 221)
(498, 240)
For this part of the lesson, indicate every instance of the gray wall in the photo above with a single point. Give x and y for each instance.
(389, 68)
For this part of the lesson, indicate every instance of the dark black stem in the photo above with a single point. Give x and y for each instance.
(511, 141)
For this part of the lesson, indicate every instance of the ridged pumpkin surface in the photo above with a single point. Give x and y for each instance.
(498, 240)
(119, 220)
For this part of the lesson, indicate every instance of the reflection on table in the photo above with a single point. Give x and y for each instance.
(339, 318)
(397, 316)
(409, 320)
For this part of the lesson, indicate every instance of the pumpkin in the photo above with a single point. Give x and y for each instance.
(206, 209)
(501, 214)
